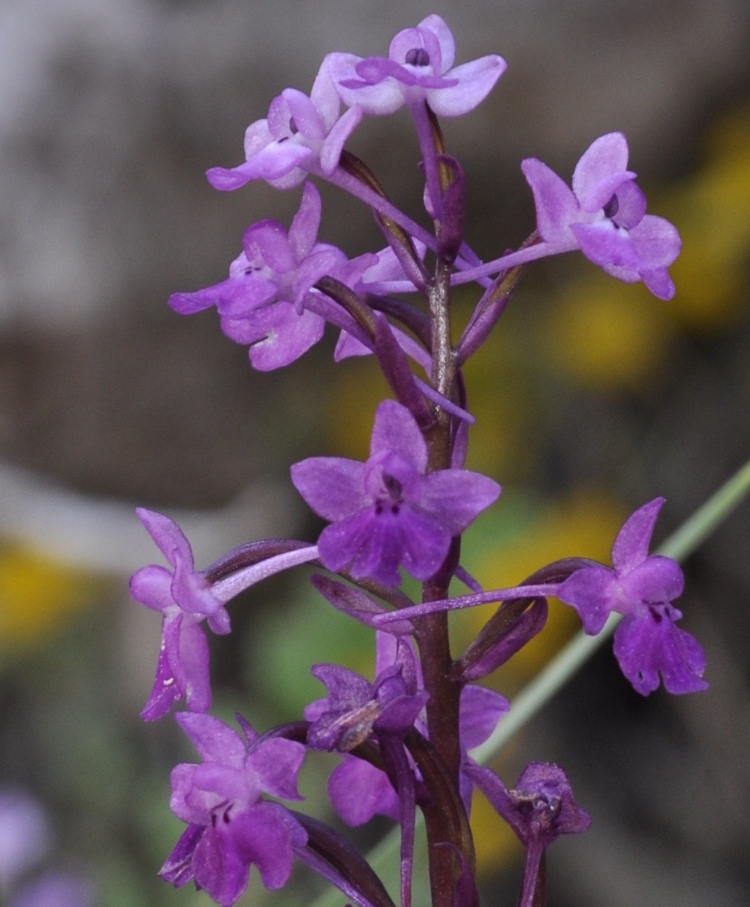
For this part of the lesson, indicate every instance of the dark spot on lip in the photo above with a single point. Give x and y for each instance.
(293, 127)
(612, 207)
(392, 484)
(417, 56)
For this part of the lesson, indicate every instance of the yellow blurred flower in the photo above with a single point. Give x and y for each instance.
(38, 593)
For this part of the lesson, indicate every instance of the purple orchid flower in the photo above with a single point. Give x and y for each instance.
(640, 587)
(357, 789)
(230, 824)
(184, 597)
(263, 302)
(605, 216)
(419, 68)
(300, 135)
(387, 511)
(539, 809)
(355, 709)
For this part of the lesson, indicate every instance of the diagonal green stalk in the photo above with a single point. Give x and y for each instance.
(680, 545)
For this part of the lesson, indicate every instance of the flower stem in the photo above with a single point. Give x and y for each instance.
(680, 545)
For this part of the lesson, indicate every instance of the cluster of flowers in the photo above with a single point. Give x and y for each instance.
(405, 737)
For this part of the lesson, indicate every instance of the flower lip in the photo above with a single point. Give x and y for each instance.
(390, 479)
(417, 56)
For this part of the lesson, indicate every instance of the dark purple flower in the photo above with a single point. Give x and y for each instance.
(300, 135)
(230, 825)
(184, 597)
(640, 587)
(262, 303)
(387, 511)
(605, 216)
(355, 709)
(357, 789)
(539, 809)
(419, 67)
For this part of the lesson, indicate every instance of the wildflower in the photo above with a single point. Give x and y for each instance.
(184, 597)
(605, 216)
(263, 302)
(300, 135)
(359, 790)
(387, 511)
(355, 709)
(419, 67)
(230, 825)
(641, 587)
(539, 809)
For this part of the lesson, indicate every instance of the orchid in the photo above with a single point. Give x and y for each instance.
(605, 216)
(641, 587)
(263, 302)
(389, 511)
(231, 825)
(419, 67)
(539, 809)
(183, 595)
(355, 709)
(410, 739)
(300, 135)
(359, 790)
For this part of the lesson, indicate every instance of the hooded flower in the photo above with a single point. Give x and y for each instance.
(539, 809)
(419, 67)
(387, 511)
(300, 135)
(231, 825)
(183, 595)
(355, 709)
(262, 303)
(357, 789)
(641, 587)
(605, 216)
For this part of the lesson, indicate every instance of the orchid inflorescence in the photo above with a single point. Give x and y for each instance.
(405, 737)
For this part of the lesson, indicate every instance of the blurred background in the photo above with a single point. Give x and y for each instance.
(592, 398)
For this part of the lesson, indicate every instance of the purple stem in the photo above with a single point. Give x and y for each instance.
(423, 129)
(534, 856)
(343, 180)
(469, 601)
(226, 589)
(510, 260)
(467, 275)
(396, 755)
